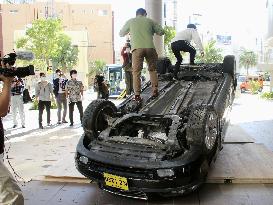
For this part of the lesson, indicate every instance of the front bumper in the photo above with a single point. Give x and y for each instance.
(142, 181)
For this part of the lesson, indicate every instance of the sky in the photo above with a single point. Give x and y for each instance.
(243, 19)
(240, 18)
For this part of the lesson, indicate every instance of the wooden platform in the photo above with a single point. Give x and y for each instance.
(242, 163)
(236, 163)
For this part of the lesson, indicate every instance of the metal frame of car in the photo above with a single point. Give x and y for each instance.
(164, 145)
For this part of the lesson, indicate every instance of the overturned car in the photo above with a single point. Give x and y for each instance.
(164, 145)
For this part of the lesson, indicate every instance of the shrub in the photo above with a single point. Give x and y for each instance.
(254, 86)
(267, 95)
(35, 104)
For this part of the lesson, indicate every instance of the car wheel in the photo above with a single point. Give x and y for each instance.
(229, 65)
(211, 132)
(96, 117)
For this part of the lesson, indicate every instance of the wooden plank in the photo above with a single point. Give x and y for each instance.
(236, 134)
(67, 179)
(242, 163)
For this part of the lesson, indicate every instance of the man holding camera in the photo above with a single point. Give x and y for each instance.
(10, 192)
(127, 66)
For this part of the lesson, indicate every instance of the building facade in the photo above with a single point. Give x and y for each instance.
(94, 19)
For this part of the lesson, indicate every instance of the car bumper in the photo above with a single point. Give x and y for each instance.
(186, 178)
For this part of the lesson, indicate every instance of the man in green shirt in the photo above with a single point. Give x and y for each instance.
(142, 30)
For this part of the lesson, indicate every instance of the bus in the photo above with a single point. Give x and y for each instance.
(115, 77)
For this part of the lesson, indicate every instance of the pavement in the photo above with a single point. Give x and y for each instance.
(34, 153)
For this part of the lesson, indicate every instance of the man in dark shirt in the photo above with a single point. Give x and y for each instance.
(59, 85)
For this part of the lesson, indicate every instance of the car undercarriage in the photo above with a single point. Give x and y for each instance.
(163, 145)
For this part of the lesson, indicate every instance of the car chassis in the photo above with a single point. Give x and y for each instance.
(163, 145)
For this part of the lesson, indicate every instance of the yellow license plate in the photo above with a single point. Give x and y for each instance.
(116, 181)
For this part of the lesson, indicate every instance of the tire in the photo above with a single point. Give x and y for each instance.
(163, 65)
(94, 117)
(204, 130)
(229, 65)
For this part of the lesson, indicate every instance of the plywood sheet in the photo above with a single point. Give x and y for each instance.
(242, 163)
(236, 134)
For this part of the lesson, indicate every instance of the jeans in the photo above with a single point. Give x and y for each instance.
(71, 110)
(61, 103)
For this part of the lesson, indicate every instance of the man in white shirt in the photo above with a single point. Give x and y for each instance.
(181, 42)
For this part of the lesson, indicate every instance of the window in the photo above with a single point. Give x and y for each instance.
(13, 11)
(102, 12)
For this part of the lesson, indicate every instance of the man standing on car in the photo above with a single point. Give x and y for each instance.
(181, 42)
(59, 85)
(142, 30)
(74, 92)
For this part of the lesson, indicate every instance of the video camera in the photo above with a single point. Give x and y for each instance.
(19, 71)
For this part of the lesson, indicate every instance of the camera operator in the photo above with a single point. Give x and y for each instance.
(10, 192)
(102, 87)
(127, 66)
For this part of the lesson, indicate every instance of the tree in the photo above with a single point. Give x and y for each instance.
(168, 36)
(48, 42)
(96, 67)
(247, 59)
(66, 55)
(212, 54)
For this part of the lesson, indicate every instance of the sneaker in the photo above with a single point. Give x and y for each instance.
(41, 127)
(14, 126)
(137, 98)
(58, 123)
(64, 121)
(71, 124)
(23, 126)
(155, 94)
(49, 125)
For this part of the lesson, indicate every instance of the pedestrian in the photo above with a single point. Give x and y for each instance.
(142, 30)
(17, 103)
(10, 192)
(182, 42)
(74, 93)
(59, 85)
(102, 87)
(127, 66)
(44, 93)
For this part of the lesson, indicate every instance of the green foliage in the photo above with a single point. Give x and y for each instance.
(96, 67)
(212, 54)
(47, 41)
(254, 86)
(35, 104)
(248, 59)
(66, 55)
(267, 95)
(168, 36)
